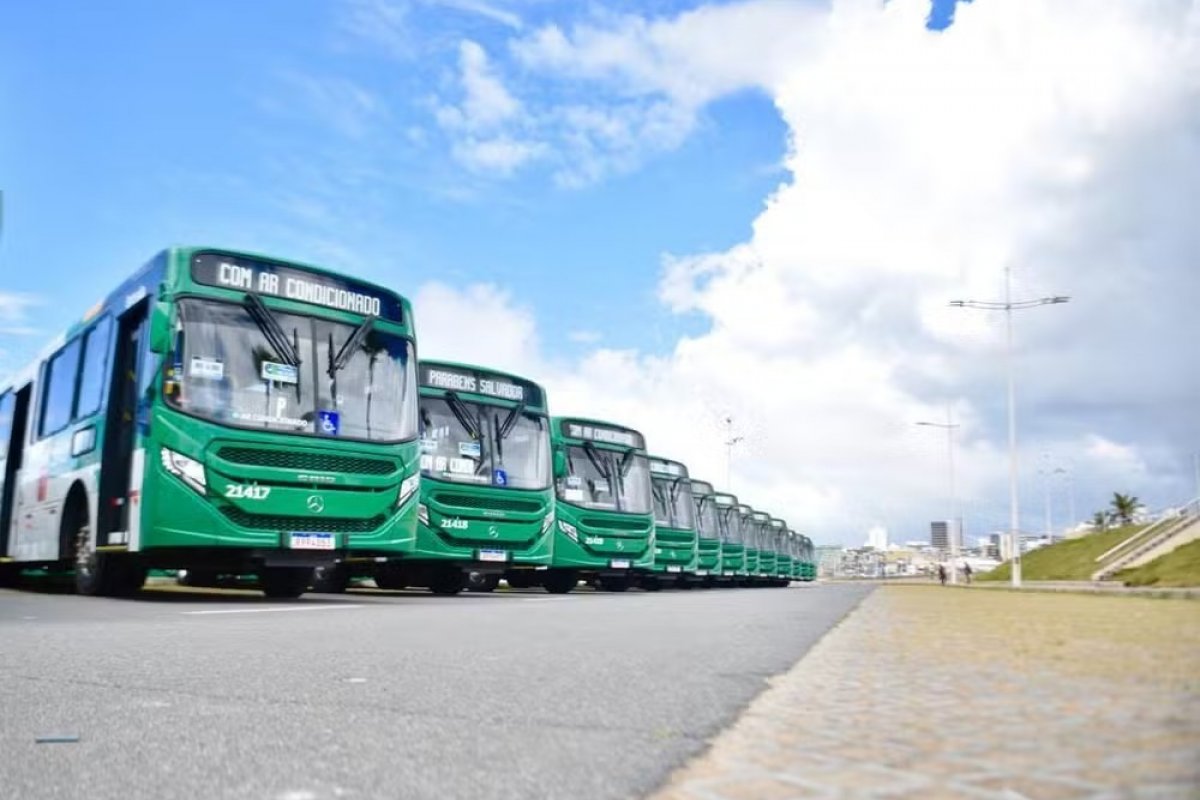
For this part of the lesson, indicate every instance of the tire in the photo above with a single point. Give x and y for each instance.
(614, 584)
(560, 581)
(482, 582)
(10, 576)
(650, 583)
(99, 574)
(330, 580)
(448, 581)
(390, 577)
(521, 579)
(284, 583)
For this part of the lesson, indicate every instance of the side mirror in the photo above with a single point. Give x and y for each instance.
(160, 327)
(560, 464)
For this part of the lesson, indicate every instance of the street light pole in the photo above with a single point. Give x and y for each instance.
(1008, 306)
(955, 522)
(730, 441)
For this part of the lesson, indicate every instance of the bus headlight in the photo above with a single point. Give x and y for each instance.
(569, 530)
(186, 469)
(423, 514)
(408, 487)
(547, 523)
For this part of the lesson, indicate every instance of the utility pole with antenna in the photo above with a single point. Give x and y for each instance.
(730, 441)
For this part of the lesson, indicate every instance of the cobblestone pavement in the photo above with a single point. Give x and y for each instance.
(929, 692)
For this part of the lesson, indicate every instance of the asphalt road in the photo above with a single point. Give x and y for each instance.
(384, 695)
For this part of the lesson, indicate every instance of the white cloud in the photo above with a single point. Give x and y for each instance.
(14, 313)
(585, 337)
(1053, 135)
(484, 125)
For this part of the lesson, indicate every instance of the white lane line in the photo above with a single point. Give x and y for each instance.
(270, 610)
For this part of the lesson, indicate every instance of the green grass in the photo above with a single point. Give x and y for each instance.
(1180, 567)
(1070, 560)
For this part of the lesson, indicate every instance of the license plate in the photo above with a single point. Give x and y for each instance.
(701, 572)
(305, 540)
(674, 569)
(620, 563)
(493, 555)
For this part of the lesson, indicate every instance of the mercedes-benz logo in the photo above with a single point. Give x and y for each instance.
(315, 503)
(493, 532)
(620, 545)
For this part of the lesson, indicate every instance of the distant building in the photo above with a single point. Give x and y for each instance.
(877, 537)
(939, 535)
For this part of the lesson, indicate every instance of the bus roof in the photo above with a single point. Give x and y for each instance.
(472, 379)
(776, 522)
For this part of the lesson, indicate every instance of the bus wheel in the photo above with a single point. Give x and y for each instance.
(521, 579)
(448, 581)
(560, 581)
(614, 584)
(330, 580)
(390, 576)
(98, 574)
(482, 582)
(10, 575)
(284, 583)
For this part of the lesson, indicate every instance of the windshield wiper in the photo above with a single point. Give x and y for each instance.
(338, 363)
(510, 421)
(594, 456)
(626, 461)
(463, 414)
(271, 329)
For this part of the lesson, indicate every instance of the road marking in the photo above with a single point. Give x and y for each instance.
(267, 610)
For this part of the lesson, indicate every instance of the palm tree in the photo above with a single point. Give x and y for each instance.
(1123, 507)
(1100, 520)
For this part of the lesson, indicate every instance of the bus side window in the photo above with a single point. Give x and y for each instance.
(58, 394)
(95, 368)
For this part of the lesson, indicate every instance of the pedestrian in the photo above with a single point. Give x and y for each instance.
(942, 574)
(967, 571)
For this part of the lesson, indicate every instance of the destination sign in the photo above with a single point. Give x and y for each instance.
(603, 433)
(277, 280)
(672, 468)
(460, 379)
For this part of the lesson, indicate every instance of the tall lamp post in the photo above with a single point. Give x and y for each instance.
(1008, 306)
(730, 441)
(955, 523)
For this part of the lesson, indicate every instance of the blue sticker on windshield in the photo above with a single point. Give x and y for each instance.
(500, 477)
(328, 422)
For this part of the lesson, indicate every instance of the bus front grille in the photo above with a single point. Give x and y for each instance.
(497, 503)
(307, 460)
(269, 522)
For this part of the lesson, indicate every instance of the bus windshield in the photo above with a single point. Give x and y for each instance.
(730, 524)
(324, 377)
(606, 479)
(490, 445)
(673, 504)
(706, 518)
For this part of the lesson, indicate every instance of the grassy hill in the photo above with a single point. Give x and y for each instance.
(1180, 567)
(1069, 560)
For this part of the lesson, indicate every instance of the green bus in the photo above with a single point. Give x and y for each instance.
(749, 545)
(675, 553)
(487, 503)
(605, 524)
(219, 412)
(794, 552)
(708, 530)
(808, 567)
(733, 547)
(764, 543)
(783, 556)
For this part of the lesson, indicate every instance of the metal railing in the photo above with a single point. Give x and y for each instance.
(1123, 554)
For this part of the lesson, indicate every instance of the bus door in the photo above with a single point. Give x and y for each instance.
(14, 414)
(117, 490)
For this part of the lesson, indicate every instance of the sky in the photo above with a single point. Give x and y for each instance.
(677, 213)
